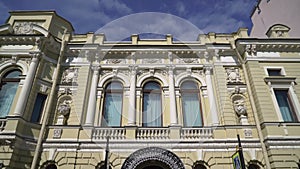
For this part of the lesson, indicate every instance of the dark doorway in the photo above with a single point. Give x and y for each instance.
(152, 167)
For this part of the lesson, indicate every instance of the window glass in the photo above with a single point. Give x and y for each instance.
(113, 104)
(38, 107)
(199, 166)
(285, 105)
(192, 116)
(152, 105)
(253, 166)
(274, 72)
(8, 88)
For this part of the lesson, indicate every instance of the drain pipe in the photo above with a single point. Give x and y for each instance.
(65, 39)
(260, 135)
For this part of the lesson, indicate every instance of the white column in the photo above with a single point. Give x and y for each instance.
(132, 98)
(173, 110)
(92, 98)
(23, 98)
(211, 96)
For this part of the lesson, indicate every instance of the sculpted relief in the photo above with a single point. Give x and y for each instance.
(70, 75)
(233, 75)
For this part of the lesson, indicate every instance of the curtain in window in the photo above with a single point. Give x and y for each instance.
(7, 94)
(191, 104)
(9, 86)
(192, 115)
(284, 105)
(152, 110)
(113, 107)
(113, 104)
(152, 105)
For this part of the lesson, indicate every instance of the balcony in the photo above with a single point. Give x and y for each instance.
(165, 133)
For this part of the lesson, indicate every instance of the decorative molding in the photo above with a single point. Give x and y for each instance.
(65, 91)
(24, 28)
(153, 154)
(64, 107)
(248, 133)
(251, 50)
(43, 88)
(236, 89)
(70, 75)
(114, 61)
(151, 61)
(57, 133)
(233, 75)
(239, 105)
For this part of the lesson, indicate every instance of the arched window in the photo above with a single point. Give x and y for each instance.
(113, 104)
(101, 165)
(192, 115)
(152, 116)
(8, 88)
(253, 166)
(199, 166)
(51, 166)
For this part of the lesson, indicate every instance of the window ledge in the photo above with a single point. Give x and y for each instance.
(280, 79)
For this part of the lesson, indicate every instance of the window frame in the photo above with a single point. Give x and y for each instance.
(267, 68)
(15, 80)
(109, 91)
(182, 91)
(292, 98)
(161, 101)
(42, 110)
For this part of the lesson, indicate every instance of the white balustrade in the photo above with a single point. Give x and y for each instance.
(196, 133)
(153, 133)
(113, 133)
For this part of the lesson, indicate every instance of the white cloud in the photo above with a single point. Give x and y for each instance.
(116, 6)
(224, 17)
(150, 22)
(181, 9)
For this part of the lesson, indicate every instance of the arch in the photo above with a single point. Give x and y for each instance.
(50, 164)
(166, 157)
(200, 165)
(9, 84)
(152, 104)
(40, 29)
(113, 103)
(191, 104)
(9, 66)
(101, 165)
(124, 79)
(148, 75)
(187, 76)
(254, 164)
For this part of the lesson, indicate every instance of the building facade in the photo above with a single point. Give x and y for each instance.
(77, 100)
(268, 13)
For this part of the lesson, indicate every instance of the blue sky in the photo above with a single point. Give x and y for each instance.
(221, 16)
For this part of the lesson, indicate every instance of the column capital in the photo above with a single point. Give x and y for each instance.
(35, 56)
(208, 69)
(95, 69)
(170, 68)
(133, 68)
